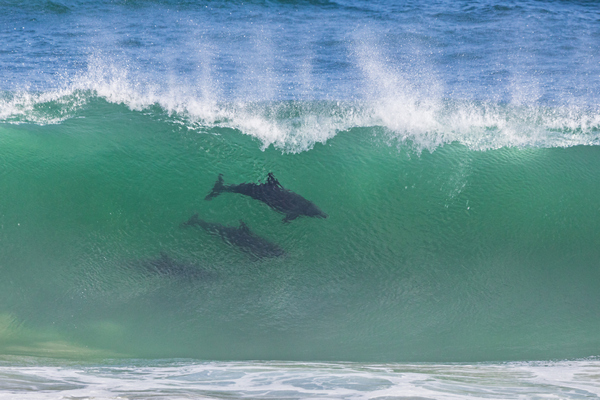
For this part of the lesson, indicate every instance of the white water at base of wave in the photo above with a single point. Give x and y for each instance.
(409, 113)
(30, 378)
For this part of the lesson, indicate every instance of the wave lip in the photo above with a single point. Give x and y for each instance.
(486, 126)
(296, 126)
(41, 108)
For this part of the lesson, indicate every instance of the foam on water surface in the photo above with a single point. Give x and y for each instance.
(40, 379)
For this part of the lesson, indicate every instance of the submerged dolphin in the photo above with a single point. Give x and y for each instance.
(274, 195)
(241, 237)
(167, 266)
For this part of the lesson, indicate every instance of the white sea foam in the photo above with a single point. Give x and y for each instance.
(40, 108)
(43, 379)
(410, 109)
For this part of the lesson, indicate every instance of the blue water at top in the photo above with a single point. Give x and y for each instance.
(532, 52)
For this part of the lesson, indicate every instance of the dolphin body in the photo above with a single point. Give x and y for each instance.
(274, 195)
(241, 237)
(167, 266)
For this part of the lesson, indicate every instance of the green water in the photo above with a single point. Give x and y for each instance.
(450, 255)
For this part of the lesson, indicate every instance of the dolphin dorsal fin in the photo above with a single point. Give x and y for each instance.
(194, 219)
(271, 180)
(164, 258)
(244, 227)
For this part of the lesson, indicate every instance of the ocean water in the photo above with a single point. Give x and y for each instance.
(454, 146)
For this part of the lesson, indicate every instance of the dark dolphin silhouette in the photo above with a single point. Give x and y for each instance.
(274, 195)
(167, 266)
(241, 237)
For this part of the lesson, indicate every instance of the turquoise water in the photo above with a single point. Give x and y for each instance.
(450, 255)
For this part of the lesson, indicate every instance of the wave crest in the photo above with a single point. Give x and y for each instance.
(409, 118)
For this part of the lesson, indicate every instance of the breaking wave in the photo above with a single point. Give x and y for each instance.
(400, 112)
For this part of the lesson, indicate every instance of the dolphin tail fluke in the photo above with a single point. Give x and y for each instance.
(243, 227)
(217, 189)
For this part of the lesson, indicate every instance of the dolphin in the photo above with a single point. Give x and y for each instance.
(274, 195)
(167, 266)
(241, 237)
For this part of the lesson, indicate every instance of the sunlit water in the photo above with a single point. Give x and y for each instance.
(454, 147)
